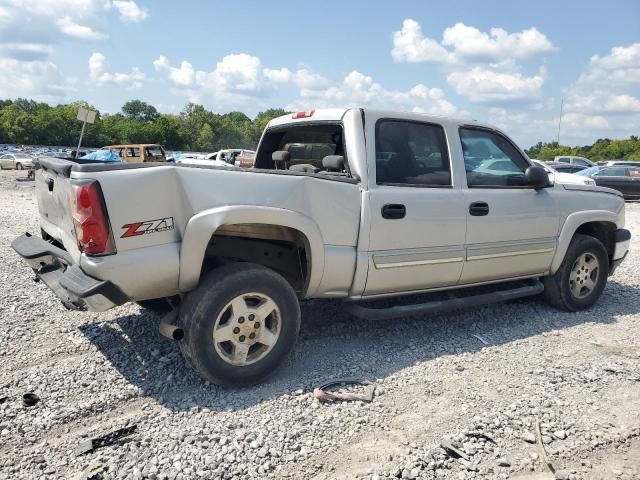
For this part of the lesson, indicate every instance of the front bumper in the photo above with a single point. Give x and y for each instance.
(621, 239)
(55, 267)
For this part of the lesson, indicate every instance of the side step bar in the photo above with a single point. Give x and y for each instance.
(440, 306)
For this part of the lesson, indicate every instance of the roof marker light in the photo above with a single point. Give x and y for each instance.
(303, 114)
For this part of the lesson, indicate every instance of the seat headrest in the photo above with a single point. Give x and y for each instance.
(304, 167)
(333, 162)
(280, 156)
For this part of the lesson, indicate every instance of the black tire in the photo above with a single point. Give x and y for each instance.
(19, 166)
(207, 302)
(557, 287)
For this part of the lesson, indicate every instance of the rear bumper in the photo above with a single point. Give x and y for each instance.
(55, 267)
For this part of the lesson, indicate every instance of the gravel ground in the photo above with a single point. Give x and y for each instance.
(578, 375)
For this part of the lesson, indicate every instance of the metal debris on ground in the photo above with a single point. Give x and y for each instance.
(105, 440)
(484, 342)
(543, 452)
(92, 472)
(321, 392)
(453, 451)
(30, 399)
(481, 435)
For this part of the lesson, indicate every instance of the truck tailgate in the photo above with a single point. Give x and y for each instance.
(53, 196)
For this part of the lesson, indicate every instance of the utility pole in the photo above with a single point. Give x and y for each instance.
(560, 119)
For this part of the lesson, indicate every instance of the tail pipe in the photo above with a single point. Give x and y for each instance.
(169, 329)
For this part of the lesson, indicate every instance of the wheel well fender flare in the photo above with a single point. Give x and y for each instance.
(202, 226)
(573, 222)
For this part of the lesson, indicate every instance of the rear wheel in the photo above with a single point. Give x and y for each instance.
(582, 276)
(240, 323)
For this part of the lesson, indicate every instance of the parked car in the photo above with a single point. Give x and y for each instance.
(138, 153)
(623, 163)
(236, 249)
(562, 177)
(17, 161)
(235, 156)
(566, 167)
(624, 179)
(584, 162)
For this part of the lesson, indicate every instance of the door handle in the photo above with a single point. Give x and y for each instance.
(393, 211)
(479, 209)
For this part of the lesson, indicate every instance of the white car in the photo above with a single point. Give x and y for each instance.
(562, 177)
(15, 161)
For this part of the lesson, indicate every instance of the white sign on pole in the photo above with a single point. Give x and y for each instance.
(85, 115)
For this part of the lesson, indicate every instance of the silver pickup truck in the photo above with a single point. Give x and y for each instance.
(355, 204)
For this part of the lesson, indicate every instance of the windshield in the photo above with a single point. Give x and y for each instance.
(588, 172)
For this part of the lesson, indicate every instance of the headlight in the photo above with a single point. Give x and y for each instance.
(589, 181)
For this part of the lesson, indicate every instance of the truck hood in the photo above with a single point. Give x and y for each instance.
(592, 188)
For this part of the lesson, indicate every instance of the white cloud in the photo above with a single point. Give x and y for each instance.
(282, 75)
(238, 80)
(463, 44)
(130, 11)
(73, 29)
(620, 67)
(410, 45)
(99, 75)
(358, 89)
(305, 78)
(469, 43)
(40, 80)
(26, 51)
(605, 102)
(605, 98)
(482, 84)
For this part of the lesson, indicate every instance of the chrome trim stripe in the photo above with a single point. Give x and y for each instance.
(509, 254)
(413, 263)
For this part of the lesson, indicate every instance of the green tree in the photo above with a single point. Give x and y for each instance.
(139, 110)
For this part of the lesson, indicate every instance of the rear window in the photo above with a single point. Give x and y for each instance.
(306, 144)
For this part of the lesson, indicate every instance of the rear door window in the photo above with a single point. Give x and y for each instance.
(410, 153)
(564, 160)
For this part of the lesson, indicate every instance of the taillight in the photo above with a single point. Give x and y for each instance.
(90, 218)
(303, 114)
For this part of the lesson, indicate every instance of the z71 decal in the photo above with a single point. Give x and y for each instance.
(148, 226)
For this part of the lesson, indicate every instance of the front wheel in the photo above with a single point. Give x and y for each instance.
(240, 323)
(582, 276)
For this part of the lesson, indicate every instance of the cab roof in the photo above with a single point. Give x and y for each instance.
(336, 114)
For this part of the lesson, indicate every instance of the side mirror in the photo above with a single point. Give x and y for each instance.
(536, 177)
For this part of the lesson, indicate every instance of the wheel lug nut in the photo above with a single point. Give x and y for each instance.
(236, 330)
(256, 325)
(241, 320)
(252, 335)
(242, 338)
(252, 317)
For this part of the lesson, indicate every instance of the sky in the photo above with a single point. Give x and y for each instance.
(507, 63)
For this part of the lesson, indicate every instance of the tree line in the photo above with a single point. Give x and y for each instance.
(27, 122)
(602, 149)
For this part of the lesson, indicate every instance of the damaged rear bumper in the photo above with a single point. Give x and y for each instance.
(55, 267)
